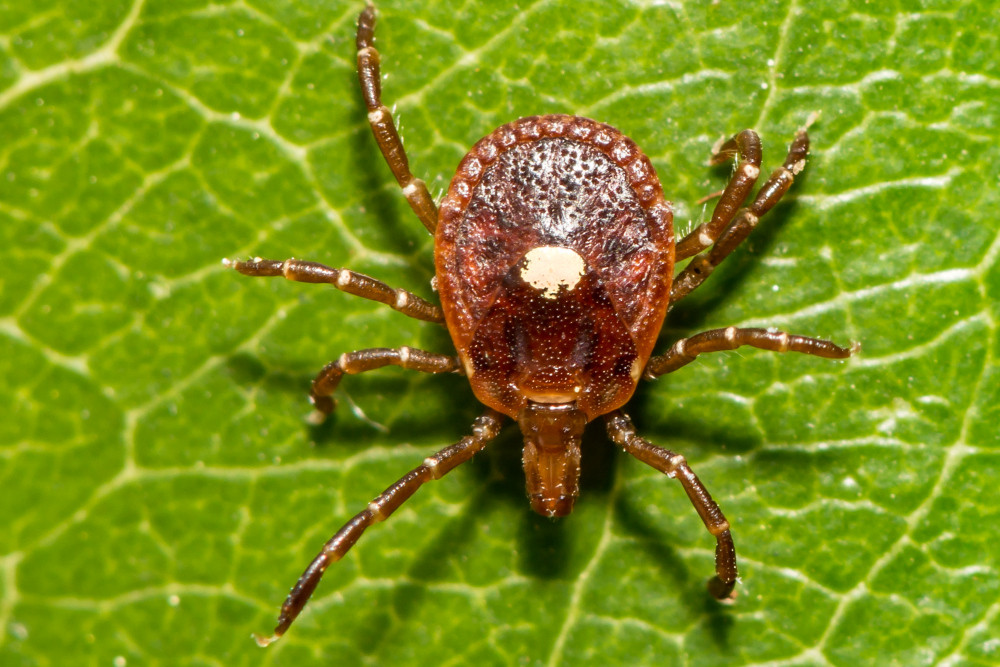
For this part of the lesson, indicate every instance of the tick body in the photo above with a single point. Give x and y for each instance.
(554, 258)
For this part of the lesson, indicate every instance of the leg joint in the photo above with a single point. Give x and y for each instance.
(376, 512)
(717, 529)
(378, 116)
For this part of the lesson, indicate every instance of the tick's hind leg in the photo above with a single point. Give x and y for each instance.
(380, 118)
(360, 361)
(687, 350)
(699, 268)
(345, 280)
(484, 429)
(622, 432)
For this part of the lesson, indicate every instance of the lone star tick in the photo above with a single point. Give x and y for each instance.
(554, 256)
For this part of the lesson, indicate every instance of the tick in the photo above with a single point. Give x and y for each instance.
(554, 257)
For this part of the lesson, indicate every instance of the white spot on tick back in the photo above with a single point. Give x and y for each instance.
(548, 268)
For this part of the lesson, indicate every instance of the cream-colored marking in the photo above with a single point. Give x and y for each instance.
(550, 396)
(798, 166)
(402, 299)
(342, 361)
(411, 188)
(676, 461)
(705, 238)
(431, 464)
(284, 267)
(731, 335)
(704, 266)
(466, 365)
(783, 341)
(718, 529)
(375, 117)
(367, 51)
(343, 278)
(636, 370)
(548, 268)
(679, 348)
(376, 511)
(404, 355)
(751, 170)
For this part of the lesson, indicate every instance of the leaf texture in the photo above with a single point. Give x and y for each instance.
(161, 489)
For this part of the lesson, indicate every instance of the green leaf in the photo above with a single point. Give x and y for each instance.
(161, 488)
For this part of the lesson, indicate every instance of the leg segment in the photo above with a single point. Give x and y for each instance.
(360, 361)
(484, 429)
(351, 282)
(746, 144)
(380, 118)
(622, 432)
(695, 273)
(686, 350)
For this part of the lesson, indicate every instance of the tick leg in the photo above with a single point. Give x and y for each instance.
(686, 350)
(345, 280)
(699, 268)
(746, 144)
(380, 118)
(622, 432)
(360, 361)
(484, 429)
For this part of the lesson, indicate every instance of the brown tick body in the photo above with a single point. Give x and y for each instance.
(554, 255)
(554, 258)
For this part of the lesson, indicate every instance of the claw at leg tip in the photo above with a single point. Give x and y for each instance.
(813, 117)
(316, 417)
(723, 593)
(264, 642)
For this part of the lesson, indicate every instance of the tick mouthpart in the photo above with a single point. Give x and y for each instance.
(552, 435)
(552, 506)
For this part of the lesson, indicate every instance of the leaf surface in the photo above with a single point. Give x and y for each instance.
(162, 489)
